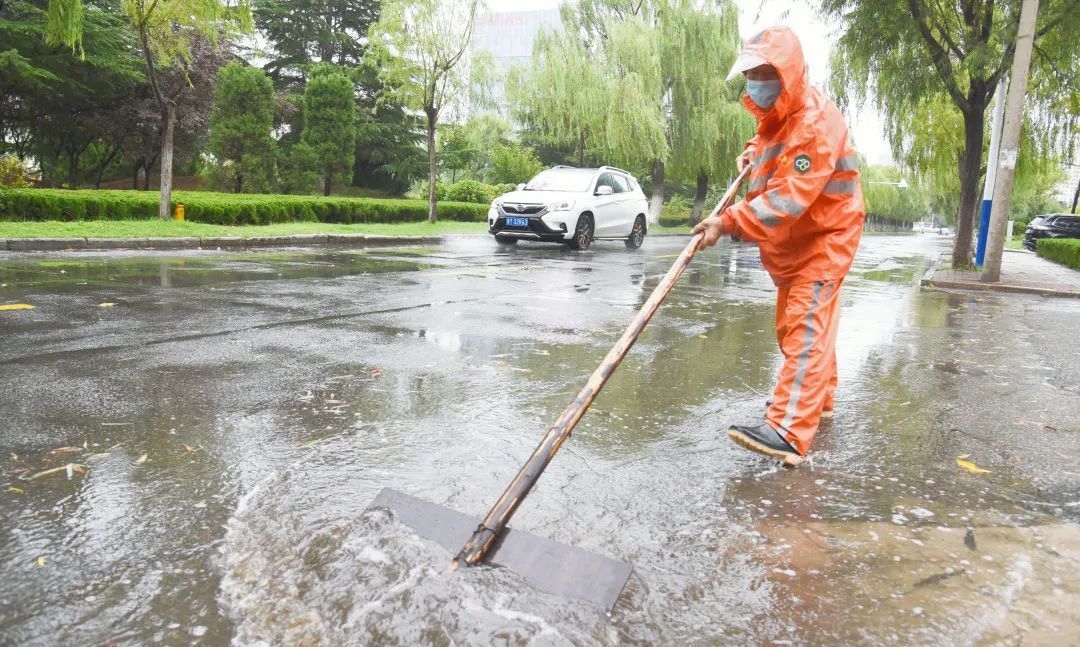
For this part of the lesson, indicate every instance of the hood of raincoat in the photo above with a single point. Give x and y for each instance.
(780, 48)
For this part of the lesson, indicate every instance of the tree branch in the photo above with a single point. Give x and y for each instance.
(938, 56)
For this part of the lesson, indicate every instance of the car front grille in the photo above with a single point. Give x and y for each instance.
(521, 209)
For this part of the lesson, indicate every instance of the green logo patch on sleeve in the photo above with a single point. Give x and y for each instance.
(802, 163)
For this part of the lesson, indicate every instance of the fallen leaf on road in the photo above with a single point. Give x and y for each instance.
(16, 306)
(968, 466)
(376, 372)
(15, 490)
(1050, 427)
(107, 304)
(65, 450)
(200, 504)
(703, 336)
(142, 459)
(40, 561)
(190, 449)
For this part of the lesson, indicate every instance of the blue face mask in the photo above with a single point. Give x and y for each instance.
(763, 93)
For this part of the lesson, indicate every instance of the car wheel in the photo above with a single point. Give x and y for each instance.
(637, 234)
(506, 241)
(583, 233)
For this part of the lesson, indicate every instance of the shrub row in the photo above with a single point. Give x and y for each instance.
(222, 208)
(468, 191)
(1063, 250)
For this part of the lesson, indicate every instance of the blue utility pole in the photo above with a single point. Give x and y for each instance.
(991, 171)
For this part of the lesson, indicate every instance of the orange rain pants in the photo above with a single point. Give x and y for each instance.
(807, 316)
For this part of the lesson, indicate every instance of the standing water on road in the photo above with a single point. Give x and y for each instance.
(228, 418)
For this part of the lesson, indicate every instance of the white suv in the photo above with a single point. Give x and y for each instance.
(574, 206)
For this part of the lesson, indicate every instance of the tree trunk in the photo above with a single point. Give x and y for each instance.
(699, 198)
(73, 169)
(656, 202)
(432, 165)
(328, 180)
(970, 166)
(1076, 196)
(581, 150)
(135, 178)
(168, 120)
(239, 188)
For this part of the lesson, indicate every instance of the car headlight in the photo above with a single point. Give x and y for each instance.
(566, 205)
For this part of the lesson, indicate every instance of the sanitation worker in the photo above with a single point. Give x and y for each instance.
(804, 210)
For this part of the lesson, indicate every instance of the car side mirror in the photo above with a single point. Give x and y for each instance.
(521, 186)
(604, 190)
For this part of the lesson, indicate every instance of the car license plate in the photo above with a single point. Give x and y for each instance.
(517, 222)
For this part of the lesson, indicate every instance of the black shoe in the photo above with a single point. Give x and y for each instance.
(763, 439)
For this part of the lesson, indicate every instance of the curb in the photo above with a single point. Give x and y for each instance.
(928, 281)
(211, 242)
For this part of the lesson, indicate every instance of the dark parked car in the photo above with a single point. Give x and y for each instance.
(1055, 225)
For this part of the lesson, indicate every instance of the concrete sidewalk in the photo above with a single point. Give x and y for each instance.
(1021, 271)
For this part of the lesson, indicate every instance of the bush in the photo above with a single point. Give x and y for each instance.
(470, 191)
(221, 208)
(13, 172)
(674, 215)
(1062, 250)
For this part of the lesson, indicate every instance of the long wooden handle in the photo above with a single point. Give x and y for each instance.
(493, 525)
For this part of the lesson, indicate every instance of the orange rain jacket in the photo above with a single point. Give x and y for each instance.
(804, 205)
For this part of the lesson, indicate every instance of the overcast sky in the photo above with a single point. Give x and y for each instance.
(816, 38)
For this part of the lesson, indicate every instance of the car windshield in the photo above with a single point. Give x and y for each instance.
(571, 179)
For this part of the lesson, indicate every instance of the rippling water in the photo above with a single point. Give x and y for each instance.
(273, 396)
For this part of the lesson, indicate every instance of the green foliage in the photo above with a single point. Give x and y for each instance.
(330, 121)
(418, 46)
(13, 172)
(303, 32)
(932, 70)
(513, 163)
(298, 170)
(221, 208)
(1062, 250)
(466, 150)
(639, 84)
(240, 127)
(468, 191)
(909, 204)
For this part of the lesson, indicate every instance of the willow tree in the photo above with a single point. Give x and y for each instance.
(165, 30)
(419, 46)
(641, 84)
(708, 126)
(564, 92)
(902, 53)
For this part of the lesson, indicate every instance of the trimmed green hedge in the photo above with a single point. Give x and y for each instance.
(222, 208)
(1063, 250)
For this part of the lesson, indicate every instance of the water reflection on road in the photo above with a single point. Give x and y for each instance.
(235, 413)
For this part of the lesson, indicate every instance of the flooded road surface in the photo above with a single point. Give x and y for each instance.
(230, 416)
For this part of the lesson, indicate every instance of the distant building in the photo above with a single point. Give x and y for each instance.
(508, 36)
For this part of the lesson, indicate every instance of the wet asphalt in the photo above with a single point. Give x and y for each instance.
(228, 417)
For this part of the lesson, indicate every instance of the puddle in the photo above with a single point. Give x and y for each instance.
(279, 392)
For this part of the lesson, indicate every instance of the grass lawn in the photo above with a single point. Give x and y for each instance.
(1015, 243)
(172, 228)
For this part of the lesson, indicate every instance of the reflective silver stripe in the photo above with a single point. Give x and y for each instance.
(763, 212)
(847, 163)
(785, 204)
(770, 153)
(759, 184)
(804, 358)
(844, 187)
